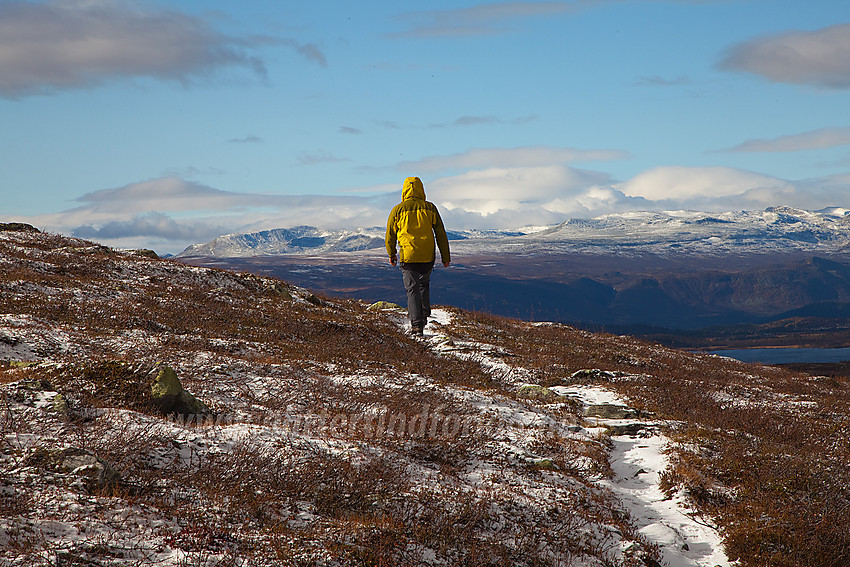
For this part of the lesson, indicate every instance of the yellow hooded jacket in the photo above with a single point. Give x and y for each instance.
(414, 223)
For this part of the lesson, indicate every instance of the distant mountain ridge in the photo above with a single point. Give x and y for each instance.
(774, 230)
(313, 240)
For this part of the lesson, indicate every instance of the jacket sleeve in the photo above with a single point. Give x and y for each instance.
(442, 238)
(390, 238)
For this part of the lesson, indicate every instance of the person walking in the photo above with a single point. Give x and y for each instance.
(414, 224)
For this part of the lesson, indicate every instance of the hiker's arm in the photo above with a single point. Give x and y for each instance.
(390, 238)
(442, 239)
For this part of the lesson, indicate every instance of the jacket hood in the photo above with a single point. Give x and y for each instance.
(413, 189)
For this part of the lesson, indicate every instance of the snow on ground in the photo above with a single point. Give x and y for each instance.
(637, 459)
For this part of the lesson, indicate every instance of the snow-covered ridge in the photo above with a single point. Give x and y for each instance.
(776, 229)
(312, 240)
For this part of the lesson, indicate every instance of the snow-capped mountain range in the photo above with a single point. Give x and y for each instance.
(774, 230)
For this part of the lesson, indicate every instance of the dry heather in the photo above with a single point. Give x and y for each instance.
(761, 450)
(334, 439)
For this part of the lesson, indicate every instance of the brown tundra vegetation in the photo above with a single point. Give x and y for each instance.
(308, 430)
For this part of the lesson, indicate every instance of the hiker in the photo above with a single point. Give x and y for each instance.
(413, 224)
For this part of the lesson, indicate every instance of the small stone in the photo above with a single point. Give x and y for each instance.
(544, 465)
(383, 306)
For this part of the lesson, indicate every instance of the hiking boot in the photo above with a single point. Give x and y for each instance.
(417, 330)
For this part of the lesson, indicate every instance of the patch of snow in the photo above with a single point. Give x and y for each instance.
(637, 461)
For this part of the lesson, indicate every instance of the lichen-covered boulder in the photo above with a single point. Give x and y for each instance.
(168, 395)
(144, 387)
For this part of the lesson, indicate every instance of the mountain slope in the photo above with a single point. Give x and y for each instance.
(774, 230)
(333, 438)
(676, 270)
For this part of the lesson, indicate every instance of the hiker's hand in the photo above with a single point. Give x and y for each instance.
(446, 264)
(393, 260)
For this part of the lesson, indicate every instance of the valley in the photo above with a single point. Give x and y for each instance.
(686, 302)
(687, 279)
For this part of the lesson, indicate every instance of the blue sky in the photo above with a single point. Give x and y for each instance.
(137, 123)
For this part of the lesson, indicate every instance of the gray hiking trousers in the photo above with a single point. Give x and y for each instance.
(417, 282)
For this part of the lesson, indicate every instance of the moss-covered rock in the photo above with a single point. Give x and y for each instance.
(165, 383)
(544, 465)
(169, 396)
(147, 388)
(383, 306)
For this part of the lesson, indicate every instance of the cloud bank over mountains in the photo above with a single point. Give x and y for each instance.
(50, 47)
(536, 186)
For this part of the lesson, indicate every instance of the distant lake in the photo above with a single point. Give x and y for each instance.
(786, 355)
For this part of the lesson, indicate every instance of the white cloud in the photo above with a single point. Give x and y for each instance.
(495, 17)
(169, 214)
(815, 139)
(318, 158)
(66, 44)
(481, 19)
(529, 156)
(157, 226)
(489, 190)
(685, 183)
(820, 57)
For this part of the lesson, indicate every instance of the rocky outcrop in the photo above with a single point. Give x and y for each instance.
(95, 473)
(611, 411)
(17, 227)
(537, 393)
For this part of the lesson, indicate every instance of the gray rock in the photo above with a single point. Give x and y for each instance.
(537, 393)
(630, 429)
(280, 290)
(593, 375)
(611, 411)
(95, 473)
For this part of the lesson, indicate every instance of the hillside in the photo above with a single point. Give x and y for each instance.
(308, 430)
